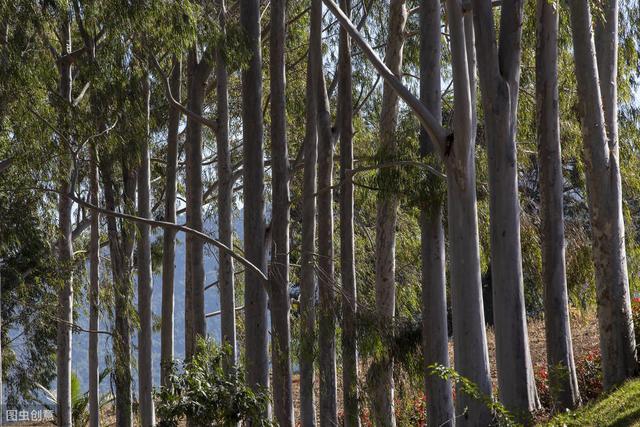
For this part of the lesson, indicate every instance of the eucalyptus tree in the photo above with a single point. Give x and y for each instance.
(560, 362)
(255, 296)
(457, 151)
(597, 101)
(279, 266)
(387, 211)
(145, 276)
(308, 277)
(347, 244)
(169, 235)
(499, 72)
(326, 279)
(440, 408)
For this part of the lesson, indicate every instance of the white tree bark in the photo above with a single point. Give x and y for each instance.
(596, 100)
(470, 342)
(169, 237)
(440, 410)
(145, 277)
(561, 366)
(65, 252)
(279, 268)
(255, 298)
(347, 244)
(226, 280)
(499, 71)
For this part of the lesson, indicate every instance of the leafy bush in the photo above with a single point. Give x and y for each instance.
(200, 390)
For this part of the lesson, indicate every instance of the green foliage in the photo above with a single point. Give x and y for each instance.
(203, 392)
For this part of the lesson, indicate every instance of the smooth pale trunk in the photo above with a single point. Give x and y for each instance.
(347, 244)
(386, 218)
(617, 341)
(65, 253)
(255, 297)
(470, 342)
(225, 204)
(279, 268)
(621, 343)
(308, 283)
(94, 291)
(195, 326)
(440, 409)
(169, 236)
(561, 367)
(145, 279)
(499, 71)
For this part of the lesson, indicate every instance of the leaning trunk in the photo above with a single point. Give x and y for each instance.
(145, 371)
(562, 371)
(169, 237)
(617, 341)
(440, 409)
(255, 297)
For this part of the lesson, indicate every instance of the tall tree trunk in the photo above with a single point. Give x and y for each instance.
(119, 254)
(347, 244)
(279, 268)
(65, 249)
(562, 371)
(169, 236)
(225, 202)
(386, 217)
(255, 297)
(326, 279)
(145, 278)
(620, 338)
(499, 70)
(440, 410)
(195, 326)
(308, 250)
(94, 290)
(470, 343)
(598, 116)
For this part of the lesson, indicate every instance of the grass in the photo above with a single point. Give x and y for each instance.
(620, 408)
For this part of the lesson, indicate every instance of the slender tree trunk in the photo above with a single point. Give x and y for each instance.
(279, 268)
(470, 343)
(145, 278)
(598, 115)
(195, 325)
(94, 291)
(562, 371)
(255, 297)
(326, 279)
(65, 251)
(225, 202)
(347, 244)
(169, 237)
(440, 409)
(118, 252)
(499, 78)
(386, 218)
(308, 284)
